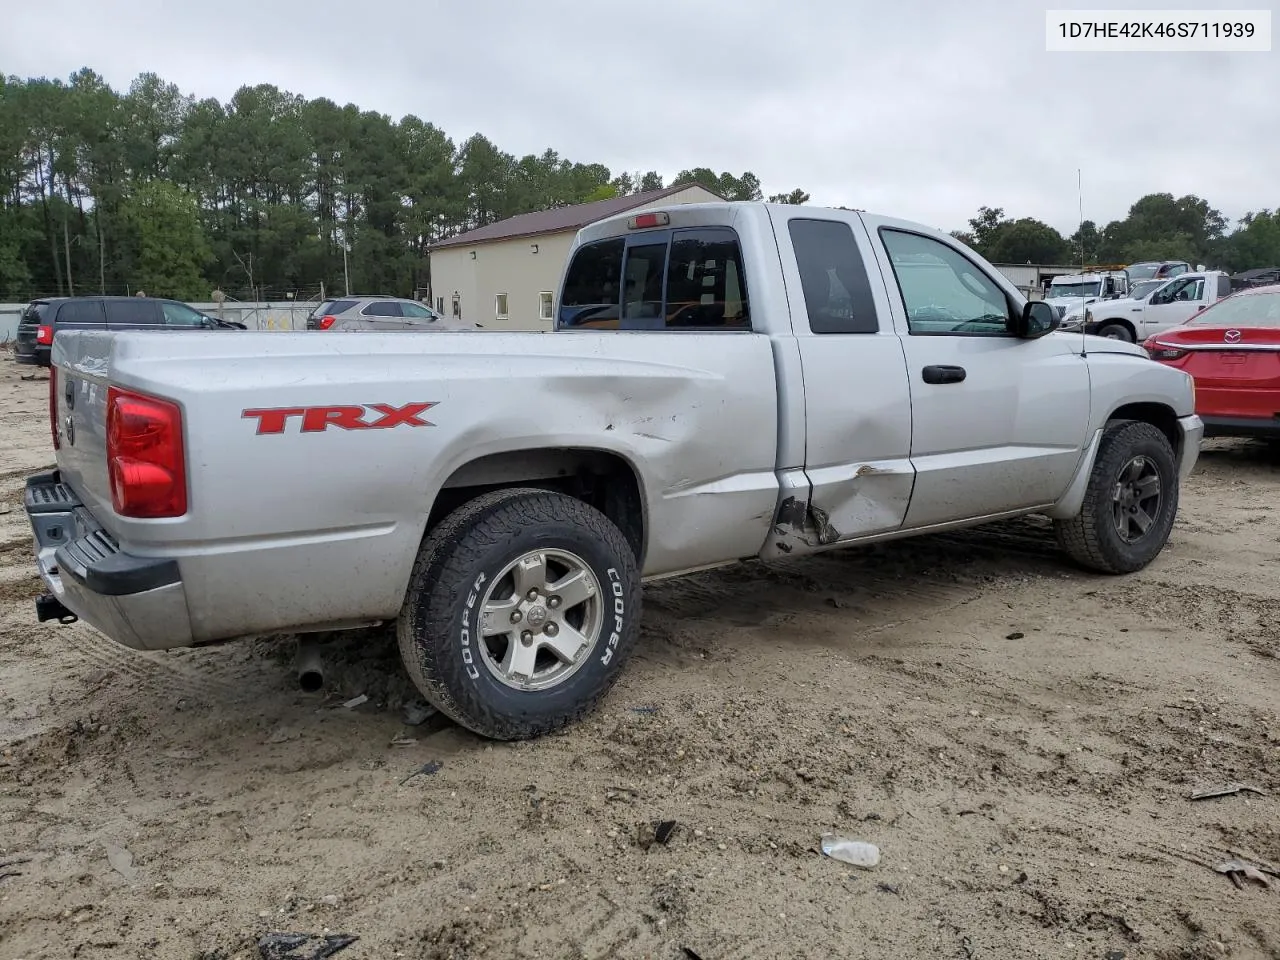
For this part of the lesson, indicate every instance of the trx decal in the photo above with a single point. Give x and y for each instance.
(349, 417)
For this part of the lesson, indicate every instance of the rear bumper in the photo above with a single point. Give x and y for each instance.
(38, 358)
(137, 601)
(1268, 427)
(1192, 430)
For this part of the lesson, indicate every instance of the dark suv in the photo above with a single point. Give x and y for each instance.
(43, 318)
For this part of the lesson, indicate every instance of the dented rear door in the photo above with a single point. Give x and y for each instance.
(858, 476)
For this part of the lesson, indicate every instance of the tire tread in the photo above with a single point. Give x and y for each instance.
(1081, 536)
(446, 567)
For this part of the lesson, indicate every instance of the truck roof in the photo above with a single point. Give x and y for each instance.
(726, 211)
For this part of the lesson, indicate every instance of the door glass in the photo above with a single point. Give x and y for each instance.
(180, 315)
(416, 311)
(943, 291)
(383, 308)
(133, 311)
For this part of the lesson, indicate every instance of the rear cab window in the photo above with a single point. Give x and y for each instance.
(689, 278)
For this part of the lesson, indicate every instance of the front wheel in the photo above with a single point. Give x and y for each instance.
(521, 609)
(1129, 504)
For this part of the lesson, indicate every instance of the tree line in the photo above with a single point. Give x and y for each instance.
(1157, 227)
(271, 194)
(268, 194)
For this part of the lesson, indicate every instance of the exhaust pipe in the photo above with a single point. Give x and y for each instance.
(310, 665)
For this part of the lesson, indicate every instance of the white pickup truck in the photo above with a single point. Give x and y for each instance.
(725, 381)
(1174, 303)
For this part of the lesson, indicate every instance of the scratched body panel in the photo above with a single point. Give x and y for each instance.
(320, 516)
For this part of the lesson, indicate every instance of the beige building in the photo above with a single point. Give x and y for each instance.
(505, 276)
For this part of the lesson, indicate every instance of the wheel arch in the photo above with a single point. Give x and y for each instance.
(1159, 415)
(603, 478)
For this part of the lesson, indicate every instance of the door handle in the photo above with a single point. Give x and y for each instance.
(943, 374)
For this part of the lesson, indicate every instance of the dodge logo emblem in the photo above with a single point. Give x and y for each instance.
(1232, 336)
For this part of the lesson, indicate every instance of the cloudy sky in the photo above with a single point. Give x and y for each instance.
(924, 109)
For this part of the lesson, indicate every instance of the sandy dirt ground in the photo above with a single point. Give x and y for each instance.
(1018, 738)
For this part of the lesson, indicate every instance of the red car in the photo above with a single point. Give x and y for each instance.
(1232, 351)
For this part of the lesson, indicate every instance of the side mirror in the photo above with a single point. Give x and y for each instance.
(1036, 320)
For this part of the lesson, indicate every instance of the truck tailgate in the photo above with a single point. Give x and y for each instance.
(80, 368)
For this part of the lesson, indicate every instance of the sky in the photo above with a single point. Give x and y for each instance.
(920, 110)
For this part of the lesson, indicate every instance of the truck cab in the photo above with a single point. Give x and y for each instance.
(1070, 293)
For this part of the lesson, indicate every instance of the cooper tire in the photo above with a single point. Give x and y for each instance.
(1129, 455)
(466, 585)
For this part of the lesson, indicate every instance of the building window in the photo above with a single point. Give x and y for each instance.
(500, 306)
(440, 305)
(544, 305)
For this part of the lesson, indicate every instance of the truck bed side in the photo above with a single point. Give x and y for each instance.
(319, 525)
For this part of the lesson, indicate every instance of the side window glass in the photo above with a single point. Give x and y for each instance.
(706, 285)
(87, 312)
(416, 310)
(837, 292)
(943, 291)
(592, 286)
(133, 311)
(1224, 286)
(180, 315)
(383, 308)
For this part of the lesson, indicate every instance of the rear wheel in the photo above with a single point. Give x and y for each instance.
(1116, 331)
(1129, 504)
(521, 609)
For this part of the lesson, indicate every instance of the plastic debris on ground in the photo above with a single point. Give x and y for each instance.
(303, 946)
(121, 861)
(426, 770)
(1229, 790)
(856, 853)
(1237, 868)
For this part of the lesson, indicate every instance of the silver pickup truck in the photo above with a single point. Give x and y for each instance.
(725, 381)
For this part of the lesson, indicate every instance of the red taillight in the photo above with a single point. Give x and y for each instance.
(145, 456)
(44, 334)
(327, 321)
(642, 221)
(53, 406)
(1163, 351)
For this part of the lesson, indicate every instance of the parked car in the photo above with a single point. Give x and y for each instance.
(42, 319)
(324, 306)
(381, 314)
(1232, 350)
(1174, 302)
(845, 379)
(1157, 270)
